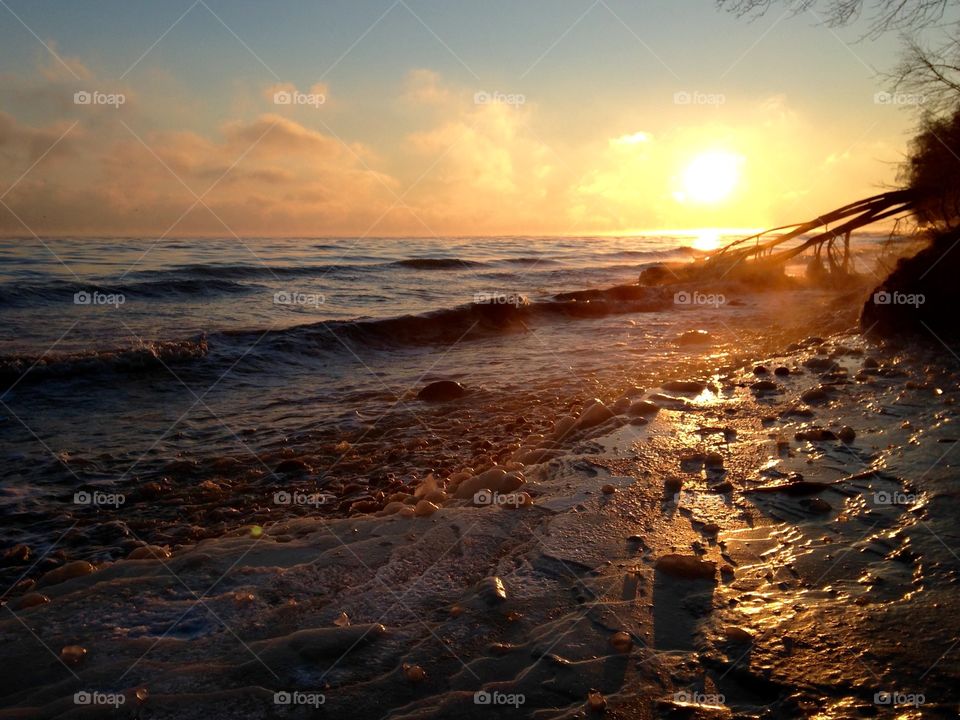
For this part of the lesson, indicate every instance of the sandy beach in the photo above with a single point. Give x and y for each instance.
(767, 542)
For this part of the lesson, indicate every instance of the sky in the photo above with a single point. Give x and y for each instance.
(434, 117)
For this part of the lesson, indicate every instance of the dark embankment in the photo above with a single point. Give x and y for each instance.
(921, 295)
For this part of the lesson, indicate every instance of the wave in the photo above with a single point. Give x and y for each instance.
(140, 358)
(497, 315)
(29, 294)
(436, 263)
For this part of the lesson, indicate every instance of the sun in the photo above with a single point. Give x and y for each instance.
(711, 176)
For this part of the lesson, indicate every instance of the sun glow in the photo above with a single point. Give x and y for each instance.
(707, 239)
(711, 176)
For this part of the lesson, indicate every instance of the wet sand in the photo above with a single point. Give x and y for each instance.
(758, 545)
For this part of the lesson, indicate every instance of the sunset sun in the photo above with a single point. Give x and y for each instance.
(711, 176)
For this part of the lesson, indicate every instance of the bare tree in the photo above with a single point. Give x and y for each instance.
(884, 15)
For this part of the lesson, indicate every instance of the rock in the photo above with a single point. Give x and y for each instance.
(713, 460)
(442, 391)
(737, 635)
(17, 555)
(621, 642)
(815, 395)
(492, 590)
(763, 386)
(643, 408)
(693, 337)
(73, 654)
(781, 371)
(596, 701)
(620, 406)
(414, 673)
(293, 466)
(608, 489)
(31, 599)
(722, 488)
(816, 434)
(149, 552)
(847, 434)
(563, 426)
(75, 569)
(760, 370)
(672, 485)
(425, 508)
(688, 567)
(595, 414)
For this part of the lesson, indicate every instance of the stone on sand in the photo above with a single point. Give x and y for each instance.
(75, 569)
(688, 567)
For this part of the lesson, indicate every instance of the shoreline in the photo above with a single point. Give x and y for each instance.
(775, 600)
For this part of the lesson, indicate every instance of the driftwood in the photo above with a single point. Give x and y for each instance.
(834, 244)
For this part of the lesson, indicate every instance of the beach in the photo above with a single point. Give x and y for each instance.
(753, 518)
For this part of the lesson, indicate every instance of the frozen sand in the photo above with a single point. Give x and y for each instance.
(818, 601)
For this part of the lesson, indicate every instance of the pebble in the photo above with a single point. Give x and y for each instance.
(643, 408)
(73, 654)
(847, 434)
(608, 489)
(760, 370)
(414, 673)
(492, 590)
(621, 642)
(31, 599)
(737, 635)
(595, 414)
(149, 552)
(764, 386)
(781, 371)
(596, 701)
(425, 508)
(815, 395)
(75, 569)
(693, 387)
